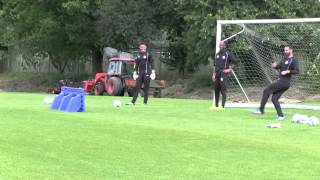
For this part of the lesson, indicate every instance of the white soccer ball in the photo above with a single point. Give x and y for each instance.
(116, 103)
(313, 121)
(296, 118)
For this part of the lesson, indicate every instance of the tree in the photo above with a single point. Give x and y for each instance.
(123, 24)
(168, 20)
(61, 30)
(200, 16)
(69, 30)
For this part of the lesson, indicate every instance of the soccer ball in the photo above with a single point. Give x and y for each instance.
(116, 103)
(296, 118)
(313, 121)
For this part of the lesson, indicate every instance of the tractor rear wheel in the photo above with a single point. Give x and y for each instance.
(99, 89)
(115, 87)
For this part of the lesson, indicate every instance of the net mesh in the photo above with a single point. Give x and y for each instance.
(259, 45)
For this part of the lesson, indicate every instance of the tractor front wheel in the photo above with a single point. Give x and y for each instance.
(115, 87)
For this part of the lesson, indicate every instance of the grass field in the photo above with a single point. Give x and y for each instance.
(169, 139)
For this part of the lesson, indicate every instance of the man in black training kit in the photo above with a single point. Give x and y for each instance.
(144, 67)
(288, 66)
(224, 62)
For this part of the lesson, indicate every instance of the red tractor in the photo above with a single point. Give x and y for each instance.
(118, 80)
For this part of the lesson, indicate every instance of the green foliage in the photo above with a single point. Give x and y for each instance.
(311, 74)
(61, 30)
(123, 24)
(200, 79)
(198, 32)
(3, 60)
(176, 60)
(14, 75)
(69, 30)
(36, 82)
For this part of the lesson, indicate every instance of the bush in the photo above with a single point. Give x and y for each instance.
(200, 79)
(35, 82)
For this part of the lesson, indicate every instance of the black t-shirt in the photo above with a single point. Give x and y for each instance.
(288, 64)
(144, 63)
(223, 59)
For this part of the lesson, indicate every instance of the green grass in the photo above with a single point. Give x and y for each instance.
(169, 139)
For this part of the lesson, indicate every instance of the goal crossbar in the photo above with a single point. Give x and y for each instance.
(260, 21)
(269, 21)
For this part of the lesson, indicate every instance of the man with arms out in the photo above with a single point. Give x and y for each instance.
(287, 67)
(143, 72)
(224, 62)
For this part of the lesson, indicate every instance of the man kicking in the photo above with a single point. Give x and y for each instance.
(288, 66)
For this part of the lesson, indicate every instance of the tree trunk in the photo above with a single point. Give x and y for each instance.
(97, 59)
(60, 66)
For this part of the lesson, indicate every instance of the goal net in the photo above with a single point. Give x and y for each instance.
(256, 44)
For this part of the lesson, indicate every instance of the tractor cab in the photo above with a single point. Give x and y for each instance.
(120, 67)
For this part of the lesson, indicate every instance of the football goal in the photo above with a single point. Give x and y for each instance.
(257, 43)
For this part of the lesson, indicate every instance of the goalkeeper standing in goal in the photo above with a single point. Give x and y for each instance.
(143, 72)
(223, 64)
(288, 67)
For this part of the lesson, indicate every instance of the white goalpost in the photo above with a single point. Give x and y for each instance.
(257, 43)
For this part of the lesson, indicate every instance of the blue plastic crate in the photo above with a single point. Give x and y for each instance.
(69, 100)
